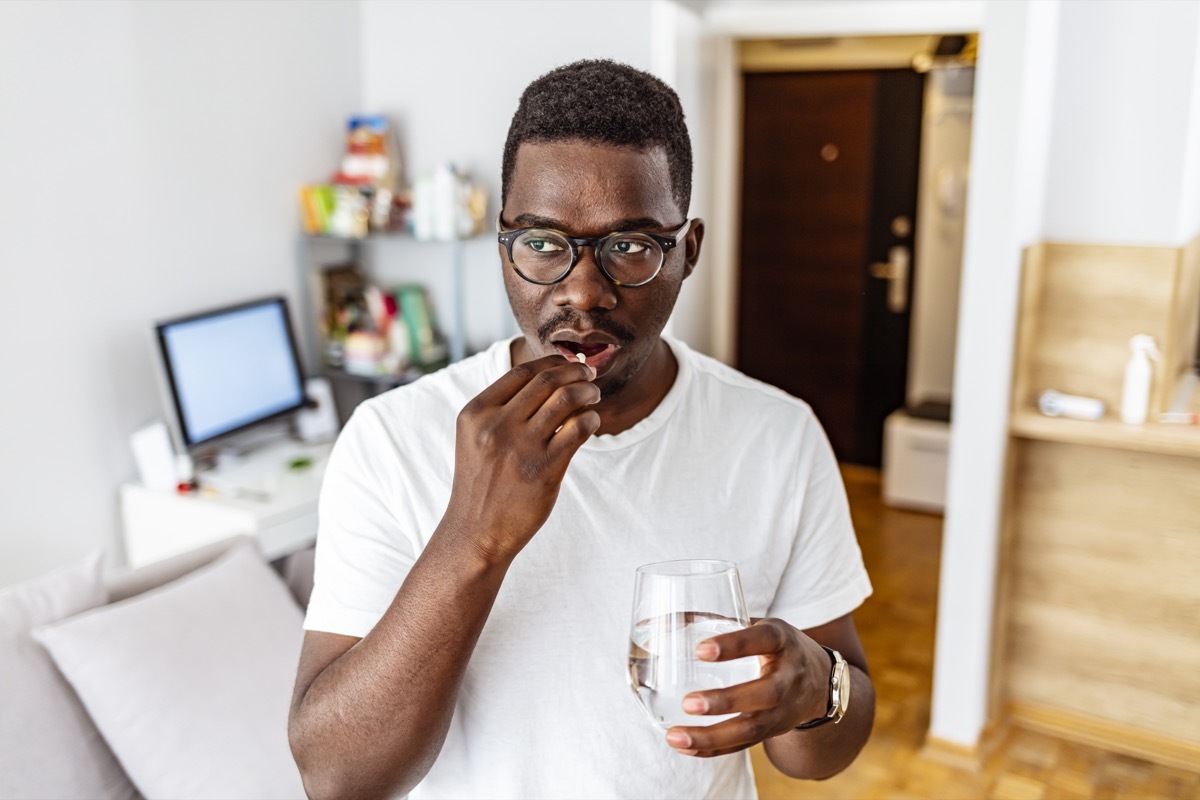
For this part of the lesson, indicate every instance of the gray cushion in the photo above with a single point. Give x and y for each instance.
(190, 682)
(49, 747)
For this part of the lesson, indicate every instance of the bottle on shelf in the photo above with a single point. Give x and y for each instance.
(1135, 399)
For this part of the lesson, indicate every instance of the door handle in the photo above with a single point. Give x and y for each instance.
(895, 271)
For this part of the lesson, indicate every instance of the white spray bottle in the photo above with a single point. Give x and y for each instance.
(1135, 400)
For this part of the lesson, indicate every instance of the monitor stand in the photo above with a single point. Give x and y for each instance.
(239, 446)
(259, 464)
(244, 444)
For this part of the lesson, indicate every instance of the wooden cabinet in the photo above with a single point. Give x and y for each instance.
(1098, 624)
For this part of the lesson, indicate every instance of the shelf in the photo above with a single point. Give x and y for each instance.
(1153, 437)
(456, 330)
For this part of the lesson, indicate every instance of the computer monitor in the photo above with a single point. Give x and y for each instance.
(230, 369)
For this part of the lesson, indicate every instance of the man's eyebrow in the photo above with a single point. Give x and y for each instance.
(637, 224)
(640, 224)
(534, 221)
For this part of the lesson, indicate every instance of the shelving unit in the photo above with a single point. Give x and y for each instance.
(355, 252)
(1097, 598)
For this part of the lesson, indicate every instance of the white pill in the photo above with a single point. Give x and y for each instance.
(582, 358)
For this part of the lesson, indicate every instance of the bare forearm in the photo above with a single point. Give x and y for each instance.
(823, 752)
(372, 723)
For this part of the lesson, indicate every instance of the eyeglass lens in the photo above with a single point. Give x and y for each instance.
(544, 255)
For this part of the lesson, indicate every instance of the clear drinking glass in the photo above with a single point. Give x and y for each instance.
(677, 605)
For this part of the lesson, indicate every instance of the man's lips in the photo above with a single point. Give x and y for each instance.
(594, 336)
(587, 349)
(597, 349)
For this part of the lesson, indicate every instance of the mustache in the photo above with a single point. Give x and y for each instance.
(584, 322)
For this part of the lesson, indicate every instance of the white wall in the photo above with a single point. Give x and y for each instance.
(771, 18)
(677, 55)
(1189, 207)
(1124, 123)
(1013, 104)
(150, 157)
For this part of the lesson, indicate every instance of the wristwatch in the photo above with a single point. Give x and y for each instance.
(839, 692)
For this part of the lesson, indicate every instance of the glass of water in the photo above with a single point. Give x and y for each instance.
(677, 605)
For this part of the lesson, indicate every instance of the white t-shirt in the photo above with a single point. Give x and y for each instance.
(725, 468)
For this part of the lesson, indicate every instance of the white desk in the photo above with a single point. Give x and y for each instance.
(260, 496)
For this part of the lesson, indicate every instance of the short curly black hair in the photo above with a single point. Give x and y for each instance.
(598, 100)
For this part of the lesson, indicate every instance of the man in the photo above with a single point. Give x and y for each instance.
(480, 529)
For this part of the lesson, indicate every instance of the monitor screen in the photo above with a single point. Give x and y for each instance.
(231, 368)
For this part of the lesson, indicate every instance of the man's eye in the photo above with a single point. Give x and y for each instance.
(543, 245)
(629, 248)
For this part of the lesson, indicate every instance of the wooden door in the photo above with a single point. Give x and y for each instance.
(829, 188)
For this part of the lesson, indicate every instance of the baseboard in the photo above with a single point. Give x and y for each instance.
(952, 754)
(1107, 735)
(961, 756)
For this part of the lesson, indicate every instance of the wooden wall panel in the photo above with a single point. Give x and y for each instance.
(1082, 303)
(1104, 604)
(1184, 326)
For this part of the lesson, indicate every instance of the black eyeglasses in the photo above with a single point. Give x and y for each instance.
(627, 258)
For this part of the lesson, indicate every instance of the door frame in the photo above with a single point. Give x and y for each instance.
(1011, 132)
(726, 26)
(1010, 147)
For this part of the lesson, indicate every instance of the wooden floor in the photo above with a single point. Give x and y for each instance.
(901, 550)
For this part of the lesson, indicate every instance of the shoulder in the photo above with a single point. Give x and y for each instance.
(722, 389)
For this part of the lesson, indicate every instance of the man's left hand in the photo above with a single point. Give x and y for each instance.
(792, 688)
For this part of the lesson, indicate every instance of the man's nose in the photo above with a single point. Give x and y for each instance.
(586, 287)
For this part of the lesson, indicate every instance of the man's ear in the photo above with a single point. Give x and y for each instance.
(692, 242)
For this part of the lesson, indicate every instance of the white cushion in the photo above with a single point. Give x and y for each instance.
(190, 682)
(49, 747)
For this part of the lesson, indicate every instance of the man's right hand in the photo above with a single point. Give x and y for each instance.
(358, 728)
(513, 444)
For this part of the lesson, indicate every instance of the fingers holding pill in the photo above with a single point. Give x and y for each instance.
(513, 445)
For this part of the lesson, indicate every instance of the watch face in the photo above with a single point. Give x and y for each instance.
(843, 680)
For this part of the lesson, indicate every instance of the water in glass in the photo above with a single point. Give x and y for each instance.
(677, 605)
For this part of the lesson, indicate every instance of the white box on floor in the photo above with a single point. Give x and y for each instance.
(915, 452)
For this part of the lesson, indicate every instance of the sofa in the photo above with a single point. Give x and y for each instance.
(170, 681)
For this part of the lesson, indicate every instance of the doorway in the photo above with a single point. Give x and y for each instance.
(829, 195)
(828, 227)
